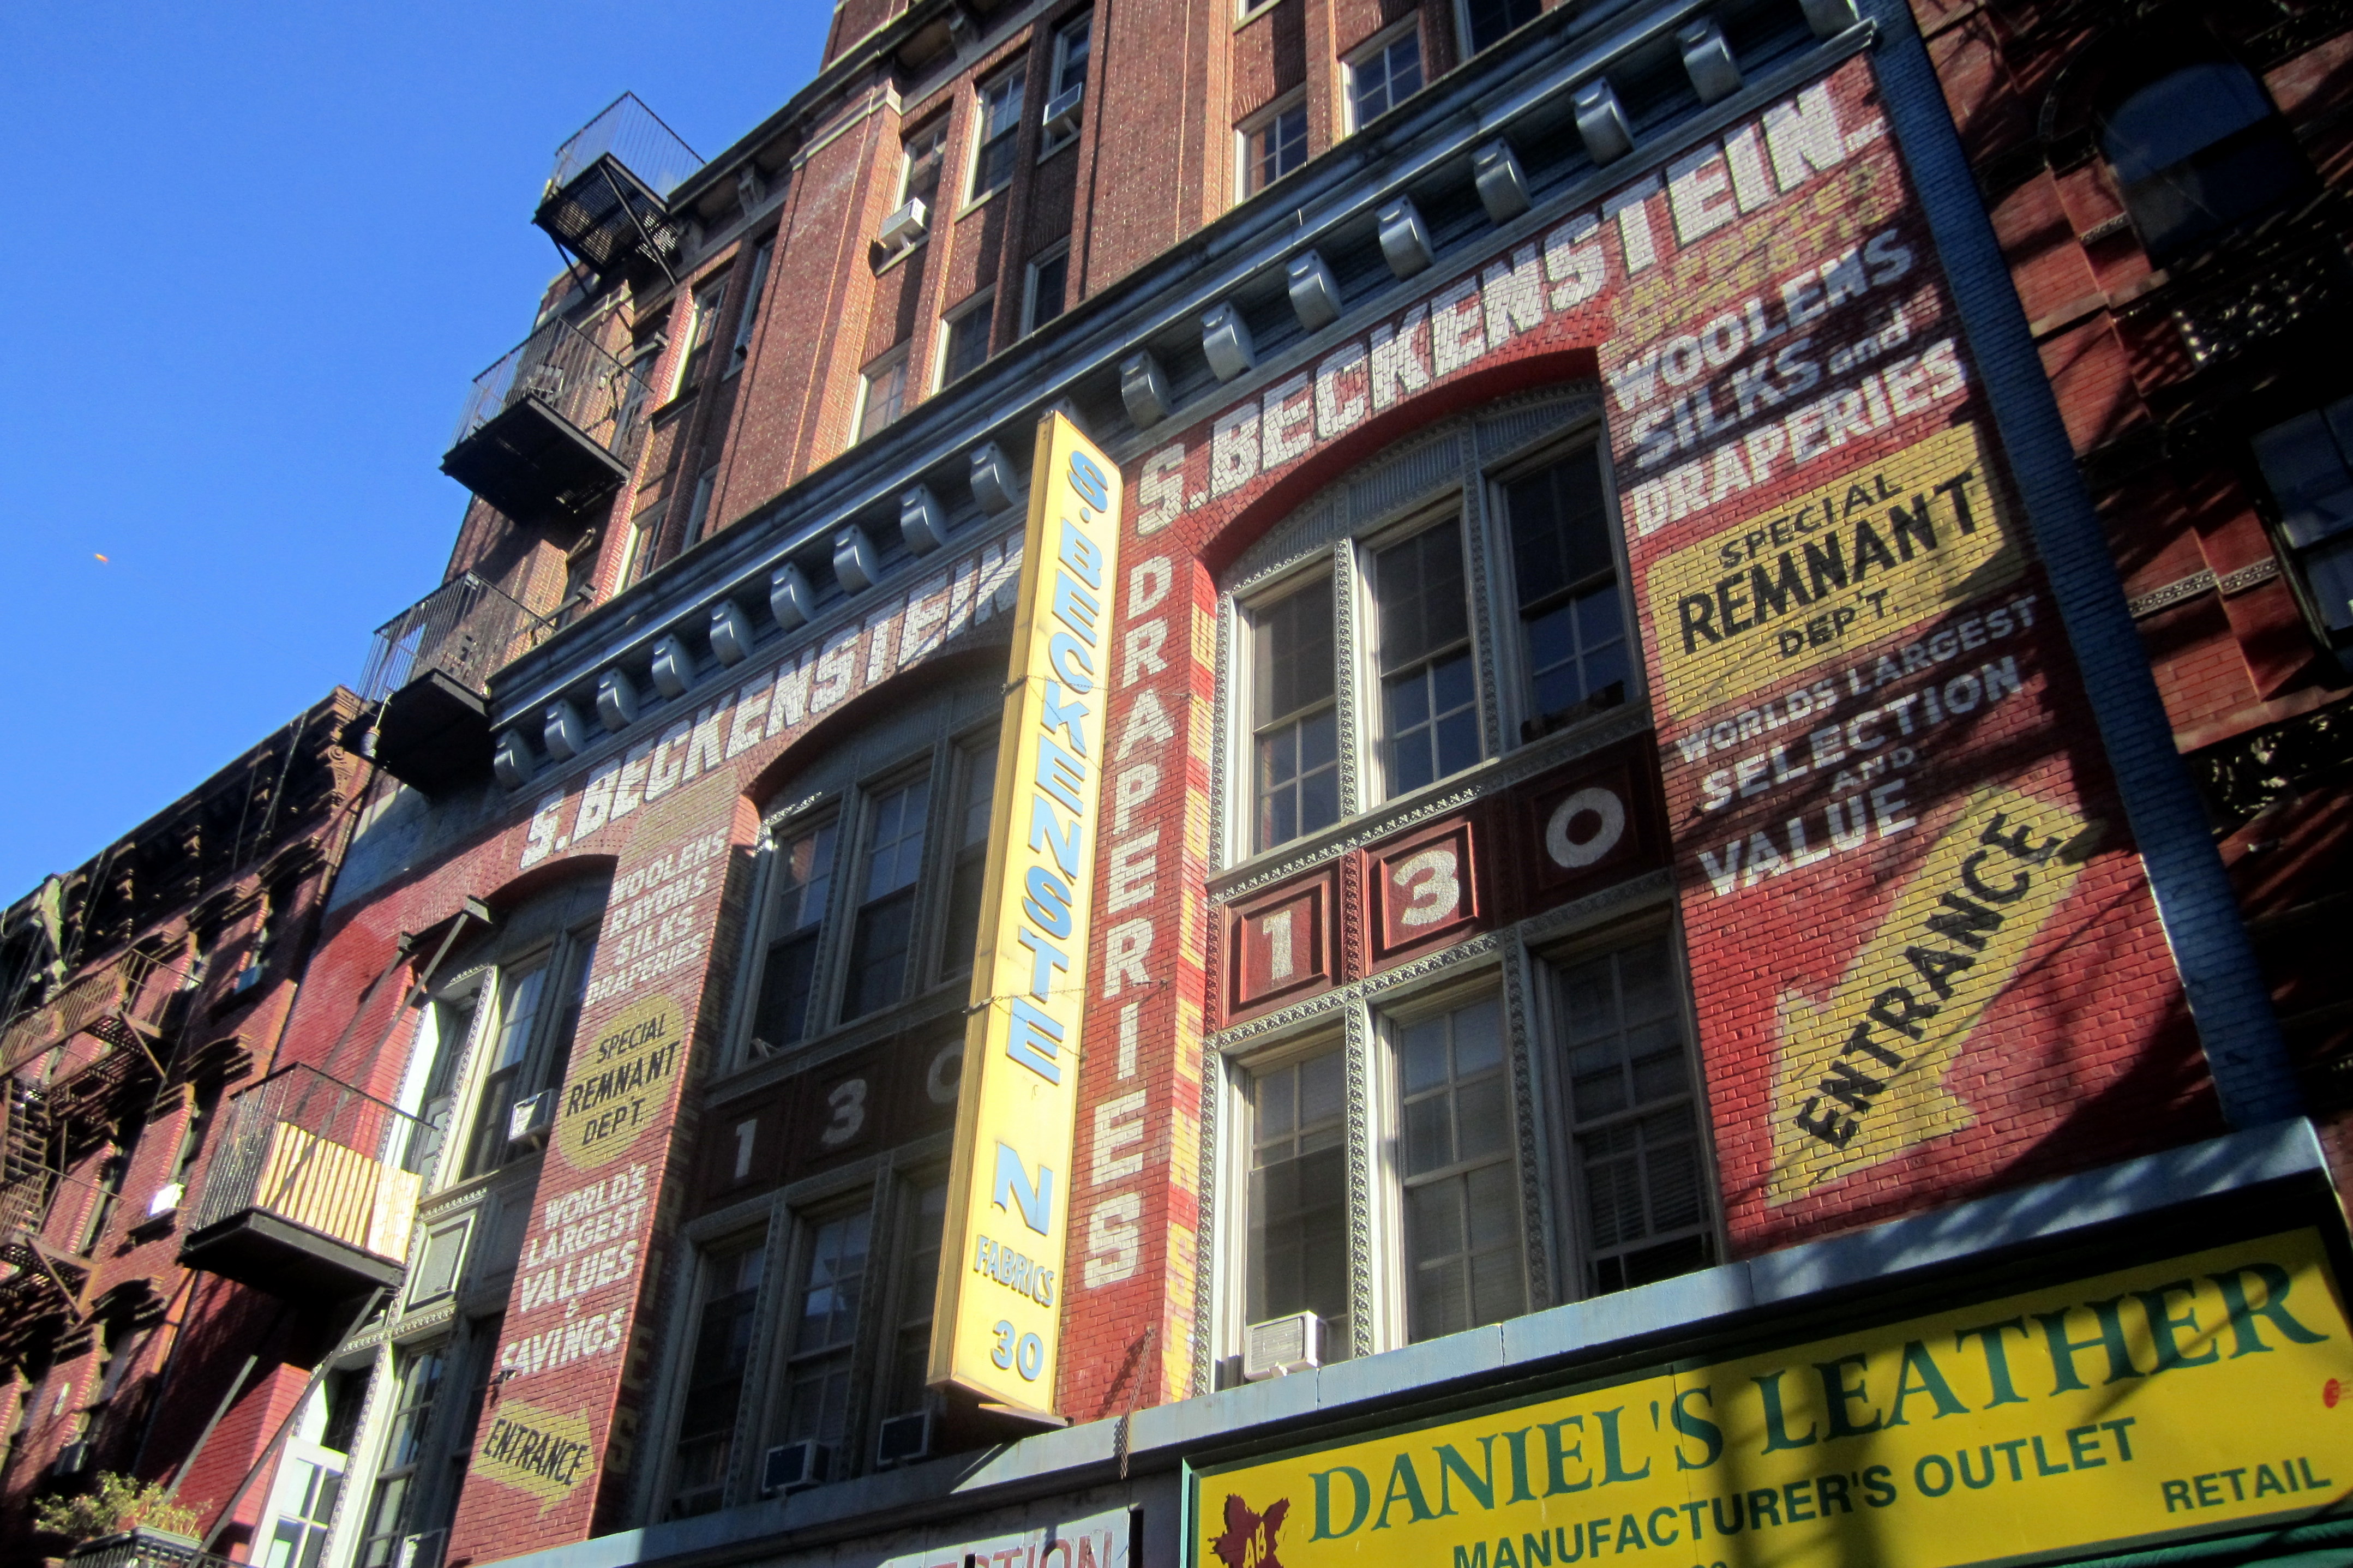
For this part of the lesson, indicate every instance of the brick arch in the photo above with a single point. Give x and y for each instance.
(1220, 548)
(912, 685)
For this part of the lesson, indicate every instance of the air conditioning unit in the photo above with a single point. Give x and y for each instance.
(528, 1121)
(789, 1467)
(71, 1460)
(1063, 111)
(904, 1438)
(167, 1198)
(1283, 1345)
(906, 226)
(419, 1551)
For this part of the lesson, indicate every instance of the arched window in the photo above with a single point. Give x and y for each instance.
(2197, 152)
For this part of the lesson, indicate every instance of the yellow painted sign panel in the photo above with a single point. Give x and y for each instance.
(997, 1329)
(1862, 1075)
(2199, 1394)
(1876, 552)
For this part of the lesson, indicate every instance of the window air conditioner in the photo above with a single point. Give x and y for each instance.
(789, 1467)
(72, 1459)
(167, 1198)
(906, 226)
(528, 1121)
(903, 1438)
(1063, 111)
(1283, 1345)
(419, 1551)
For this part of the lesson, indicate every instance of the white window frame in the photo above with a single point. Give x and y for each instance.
(1378, 44)
(698, 512)
(896, 358)
(1258, 120)
(1499, 664)
(748, 320)
(1083, 22)
(982, 303)
(1058, 252)
(1016, 76)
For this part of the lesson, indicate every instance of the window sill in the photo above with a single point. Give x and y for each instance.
(1253, 13)
(898, 256)
(979, 202)
(1065, 145)
(669, 409)
(943, 1001)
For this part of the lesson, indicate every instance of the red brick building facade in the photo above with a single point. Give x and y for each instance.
(1630, 825)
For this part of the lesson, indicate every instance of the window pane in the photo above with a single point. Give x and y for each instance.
(967, 348)
(1637, 1128)
(1298, 1239)
(1276, 147)
(1387, 77)
(886, 397)
(825, 1325)
(919, 1271)
(1490, 20)
(878, 956)
(999, 131)
(1422, 607)
(715, 1385)
(1462, 1221)
(1566, 582)
(976, 802)
(1046, 287)
(2198, 152)
(894, 839)
(788, 975)
(1072, 46)
(1292, 639)
(921, 177)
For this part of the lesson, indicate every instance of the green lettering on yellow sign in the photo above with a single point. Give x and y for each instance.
(2119, 1408)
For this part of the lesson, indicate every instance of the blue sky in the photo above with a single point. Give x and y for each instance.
(254, 255)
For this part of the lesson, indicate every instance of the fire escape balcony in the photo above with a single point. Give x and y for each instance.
(306, 1194)
(118, 1004)
(607, 201)
(551, 429)
(430, 667)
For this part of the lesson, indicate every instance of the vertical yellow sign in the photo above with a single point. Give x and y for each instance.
(996, 1333)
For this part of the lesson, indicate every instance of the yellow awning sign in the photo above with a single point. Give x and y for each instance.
(996, 1332)
(1876, 552)
(1861, 1076)
(2193, 1395)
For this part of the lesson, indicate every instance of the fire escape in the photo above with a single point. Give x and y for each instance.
(312, 1189)
(554, 426)
(430, 667)
(59, 1101)
(607, 201)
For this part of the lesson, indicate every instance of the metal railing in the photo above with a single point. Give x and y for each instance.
(467, 630)
(564, 371)
(636, 138)
(120, 989)
(144, 1549)
(317, 1152)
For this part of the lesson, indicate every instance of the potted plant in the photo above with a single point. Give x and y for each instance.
(122, 1521)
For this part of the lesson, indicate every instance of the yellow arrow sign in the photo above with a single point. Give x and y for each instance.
(1862, 1078)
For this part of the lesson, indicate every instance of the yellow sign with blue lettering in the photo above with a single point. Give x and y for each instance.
(996, 1332)
(2201, 1394)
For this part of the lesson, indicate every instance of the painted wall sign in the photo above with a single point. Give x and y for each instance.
(1868, 554)
(2187, 1394)
(999, 1321)
(543, 1453)
(624, 1080)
